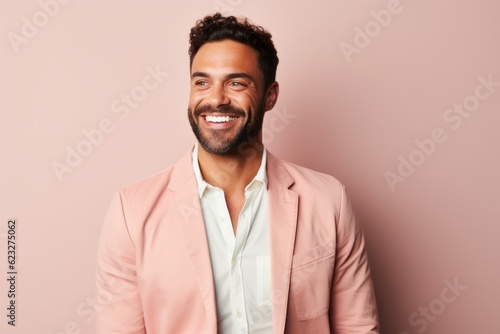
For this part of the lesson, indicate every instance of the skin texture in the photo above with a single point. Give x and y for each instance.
(226, 81)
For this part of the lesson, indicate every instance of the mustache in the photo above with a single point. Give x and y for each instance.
(225, 109)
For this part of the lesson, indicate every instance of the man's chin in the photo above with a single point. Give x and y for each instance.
(239, 147)
(221, 143)
(219, 148)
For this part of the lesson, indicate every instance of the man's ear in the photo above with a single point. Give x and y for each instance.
(271, 96)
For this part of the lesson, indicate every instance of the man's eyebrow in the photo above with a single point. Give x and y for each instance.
(199, 74)
(240, 75)
(229, 76)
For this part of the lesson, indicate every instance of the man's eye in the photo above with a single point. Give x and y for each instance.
(200, 83)
(237, 84)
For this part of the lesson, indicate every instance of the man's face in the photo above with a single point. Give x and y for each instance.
(226, 102)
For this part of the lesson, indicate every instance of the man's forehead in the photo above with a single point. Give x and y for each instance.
(226, 54)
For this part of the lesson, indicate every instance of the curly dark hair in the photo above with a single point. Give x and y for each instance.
(216, 27)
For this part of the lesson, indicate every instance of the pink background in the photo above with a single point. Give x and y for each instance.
(352, 116)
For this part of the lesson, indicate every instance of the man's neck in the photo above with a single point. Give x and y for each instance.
(230, 172)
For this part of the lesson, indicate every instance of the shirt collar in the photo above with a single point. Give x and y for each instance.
(261, 175)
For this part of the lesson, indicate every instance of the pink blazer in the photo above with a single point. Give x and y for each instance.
(154, 273)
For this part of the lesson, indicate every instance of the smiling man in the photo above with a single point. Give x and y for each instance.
(232, 239)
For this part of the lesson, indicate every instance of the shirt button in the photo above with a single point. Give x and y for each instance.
(221, 219)
(238, 314)
(233, 262)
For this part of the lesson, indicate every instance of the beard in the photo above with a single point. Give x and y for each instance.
(216, 143)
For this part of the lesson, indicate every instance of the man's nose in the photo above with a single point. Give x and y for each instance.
(218, 96)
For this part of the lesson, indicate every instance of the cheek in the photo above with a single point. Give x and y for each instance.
(245, 102)
(192, 95)
(194, 99)
(199, 97)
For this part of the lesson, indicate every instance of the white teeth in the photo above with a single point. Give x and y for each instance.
(219, 119)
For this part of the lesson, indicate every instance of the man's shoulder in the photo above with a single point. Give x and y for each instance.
(152, 185)
(306, 172)
(157, 180)
(307, 178)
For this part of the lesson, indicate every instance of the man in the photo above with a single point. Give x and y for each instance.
(231, 239)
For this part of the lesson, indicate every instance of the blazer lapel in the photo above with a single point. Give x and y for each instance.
(190, 219)
(283, 210)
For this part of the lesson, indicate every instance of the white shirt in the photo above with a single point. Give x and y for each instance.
(241, 263)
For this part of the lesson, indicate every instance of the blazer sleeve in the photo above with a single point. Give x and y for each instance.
(353, 306)
(116, 276)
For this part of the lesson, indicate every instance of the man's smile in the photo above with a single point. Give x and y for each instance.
(220, 119)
